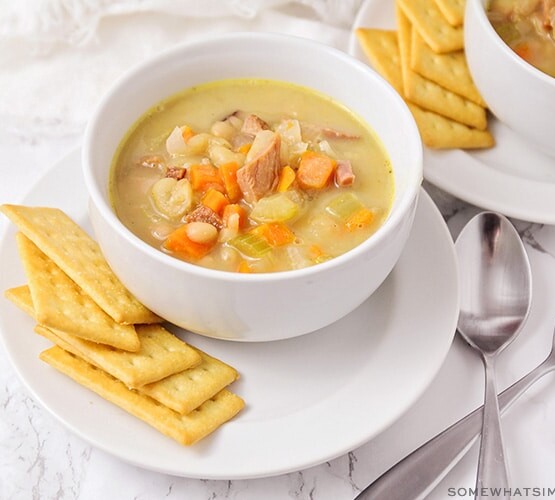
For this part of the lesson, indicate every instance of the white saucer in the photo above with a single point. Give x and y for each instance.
(309, 399)
(512, 178)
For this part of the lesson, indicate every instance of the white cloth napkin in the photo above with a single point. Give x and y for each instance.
(58, 57)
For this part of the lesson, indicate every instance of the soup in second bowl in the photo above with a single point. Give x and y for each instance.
(252, 175)
(527, 27)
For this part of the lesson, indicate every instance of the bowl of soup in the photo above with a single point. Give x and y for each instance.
(245, 193)
(510, 48)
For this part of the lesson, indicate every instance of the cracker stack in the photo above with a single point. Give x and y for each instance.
(424, 61)
(106, 340)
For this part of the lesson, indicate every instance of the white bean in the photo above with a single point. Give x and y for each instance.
(197, 144)
(201, 232)
(235, 121)
(171, 197)
(223, 129)
(220, 155)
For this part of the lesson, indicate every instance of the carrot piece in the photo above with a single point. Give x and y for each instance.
(228, 172)
(235, 216)
(180, 243)
(362, 217)
(187, 132)
(245, 148)
(275, 233)
(244, 267)
(202, 177)
(215, 200)
(317, 255)
(315, 252)
(315, 170)
(524, 51)
(286, 178)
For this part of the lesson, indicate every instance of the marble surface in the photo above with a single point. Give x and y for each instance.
(40, 459)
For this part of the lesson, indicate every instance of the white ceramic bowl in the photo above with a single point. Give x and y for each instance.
(253, 307)
(518, 94)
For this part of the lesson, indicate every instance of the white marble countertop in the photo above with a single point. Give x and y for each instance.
(40, 459)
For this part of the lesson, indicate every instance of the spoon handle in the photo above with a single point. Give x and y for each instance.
(415, 476)
(492, 468)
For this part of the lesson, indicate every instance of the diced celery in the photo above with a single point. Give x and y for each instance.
(276, 208)
(251, 245)
(344, 205)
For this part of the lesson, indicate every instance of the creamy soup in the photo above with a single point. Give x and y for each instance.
(527, 27)
(252, 176)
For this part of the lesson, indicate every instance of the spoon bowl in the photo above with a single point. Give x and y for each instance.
(495, 282)
(495, 297)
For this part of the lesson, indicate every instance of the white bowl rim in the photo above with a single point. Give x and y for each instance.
(402, 210)
(504, 47)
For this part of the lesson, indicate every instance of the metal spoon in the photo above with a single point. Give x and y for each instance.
(495, 287)
(495, 300)
(416, 475)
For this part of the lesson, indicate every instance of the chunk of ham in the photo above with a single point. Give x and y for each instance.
(205, 214)
(260, 174)
(253, 124)
(176, 172)
(344, 175)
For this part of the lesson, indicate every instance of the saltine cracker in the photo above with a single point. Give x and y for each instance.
(79, 256)
(432, 25)
(59, 303)
(185, 429)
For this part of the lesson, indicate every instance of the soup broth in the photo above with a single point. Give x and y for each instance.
(251, 175)
(527, 27)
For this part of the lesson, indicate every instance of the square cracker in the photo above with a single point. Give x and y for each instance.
(432, 25)
(448, 70)
(185, 391)
(439, 132)
(185, 429)
(162, 354)
(60, 304)
(79, 256)
(381, 47)
(452, 10)
(436, 130)
(182, 392)
(430, 95)
(21, 297)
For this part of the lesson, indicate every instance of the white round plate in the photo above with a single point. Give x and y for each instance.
(309, 399)
(513, 177)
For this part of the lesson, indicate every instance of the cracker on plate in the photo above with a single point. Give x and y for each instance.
(79, 256)
(185, 429)
(448, 70)
(381, 47)
(428, 94)
(59, 303)
(439, 132)
(186, 390)
(452, 10)
(161, 354)
(432, 25)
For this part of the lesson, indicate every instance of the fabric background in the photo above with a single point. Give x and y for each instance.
(58, 57)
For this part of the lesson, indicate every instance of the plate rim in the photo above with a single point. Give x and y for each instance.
(537, 207)
(264, 471)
